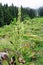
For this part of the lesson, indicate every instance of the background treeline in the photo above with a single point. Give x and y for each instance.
(29, 12)
(8, 13)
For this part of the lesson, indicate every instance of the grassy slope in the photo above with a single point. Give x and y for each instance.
(35, 36)
(30, 38)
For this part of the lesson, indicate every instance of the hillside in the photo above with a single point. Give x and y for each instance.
(23, 39)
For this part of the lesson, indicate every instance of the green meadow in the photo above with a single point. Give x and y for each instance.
(24, 39)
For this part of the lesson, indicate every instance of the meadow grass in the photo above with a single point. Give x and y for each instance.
(26, 38)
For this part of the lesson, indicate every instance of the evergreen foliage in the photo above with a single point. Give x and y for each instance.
(7, 14)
